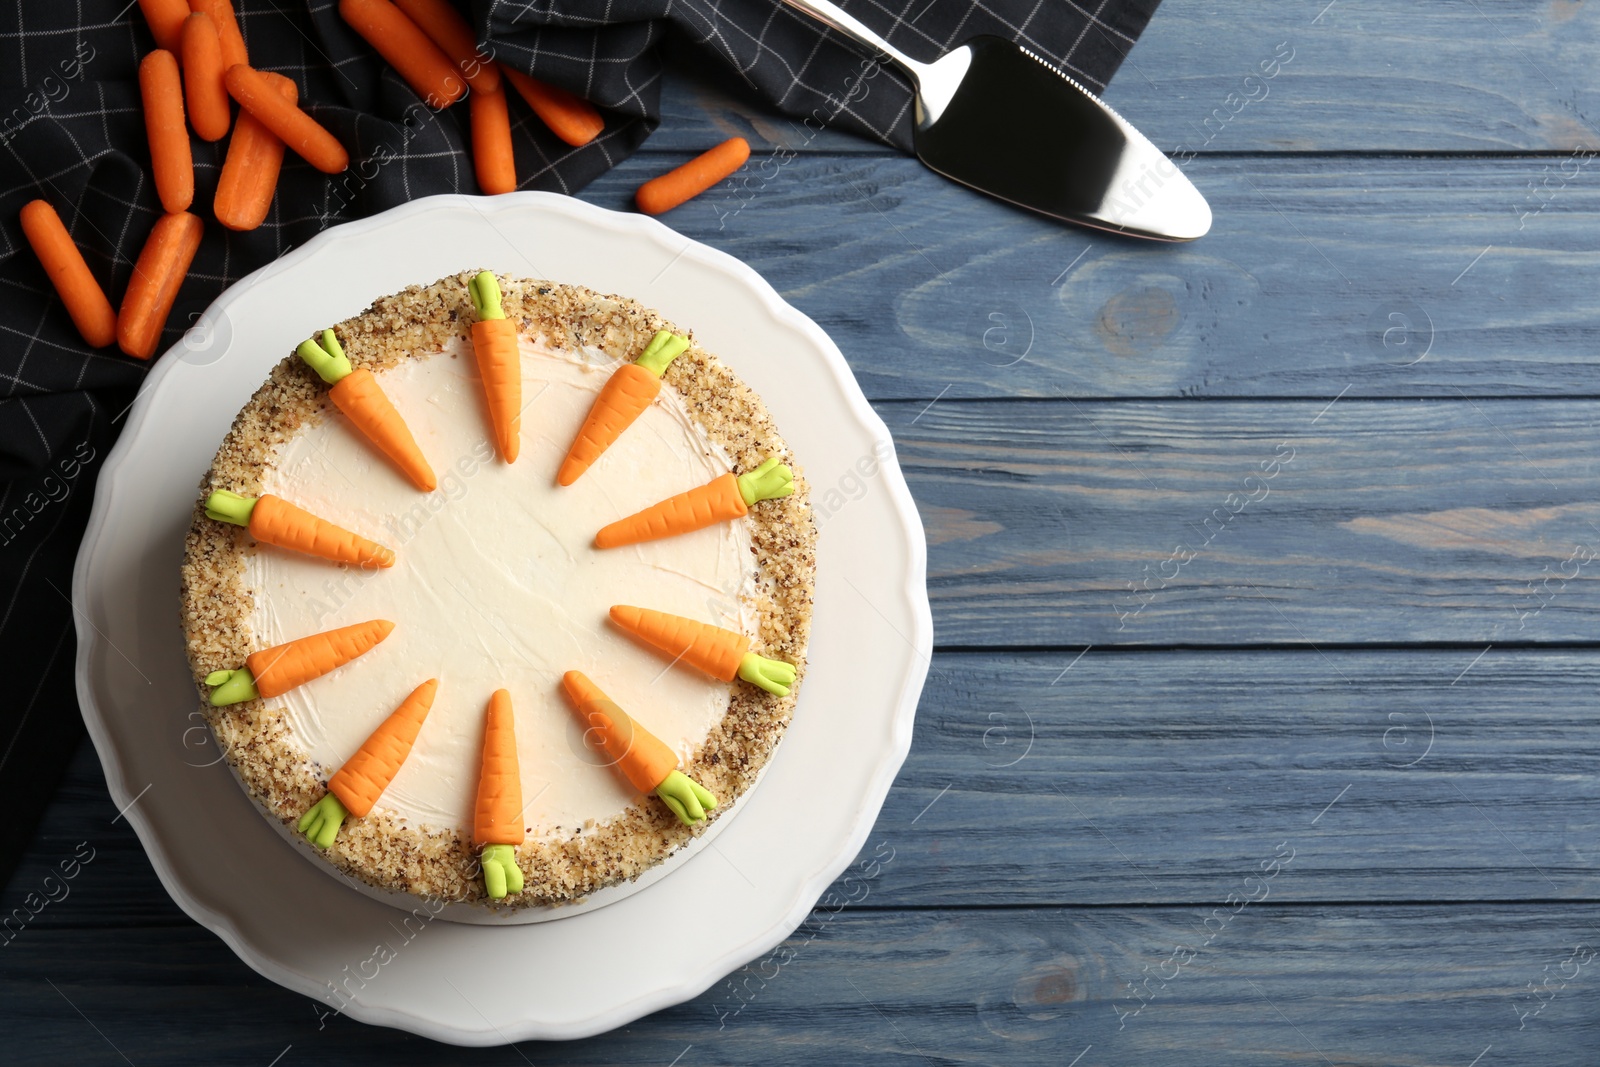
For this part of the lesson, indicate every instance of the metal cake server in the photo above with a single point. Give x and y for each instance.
(994, 116)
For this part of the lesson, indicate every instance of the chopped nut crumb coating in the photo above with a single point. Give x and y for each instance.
(379, 849)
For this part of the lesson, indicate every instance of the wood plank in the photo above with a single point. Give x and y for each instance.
(1156, 778)
(1342, 986)
(1492, 77)
(1065, 523)
(1421, 278)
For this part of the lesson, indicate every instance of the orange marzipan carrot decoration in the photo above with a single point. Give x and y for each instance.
(304, 135)
(165, 18)
(250, 170)
(693, 178)
(227, 23)
(492, 156)
(709, 648)
(412, 53)
(642, 757)
(203, 91)
(86, 302)
(705, 505)
(161, 91)
(571, 118)
(158, 274)
(278, 522)
(278, 669)
(451, 33)
(365, 775)
(359, 396)
(497, 816)
(500, 364)
(624, 397)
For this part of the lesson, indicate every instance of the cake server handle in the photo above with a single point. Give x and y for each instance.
(835, 17)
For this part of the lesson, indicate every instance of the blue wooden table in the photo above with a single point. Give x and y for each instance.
(1264, 572)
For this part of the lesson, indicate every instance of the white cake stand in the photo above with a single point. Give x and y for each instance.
(711, 908)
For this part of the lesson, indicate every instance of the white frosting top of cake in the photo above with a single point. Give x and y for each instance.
(497, 585)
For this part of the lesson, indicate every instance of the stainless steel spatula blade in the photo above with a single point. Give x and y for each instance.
(996, 117)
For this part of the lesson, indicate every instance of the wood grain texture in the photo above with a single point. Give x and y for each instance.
(1120, 778)
(1070, 523)
(1376, 985)
(1492, 77)
(1389, 277)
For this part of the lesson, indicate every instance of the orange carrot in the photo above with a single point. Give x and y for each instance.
(359, 396)
(571, 118)
(259, 95)
(63, 264)
(494, 339)
(222, 17)
(278, 669)
(693, 178)
(365, 775)
(166, 21)
(157, 276)
(497, 816)
(622, 399)
(161, 89)
(644, 760)
(451, 33)
(250, 170)
(709, 648)
(422, 64)
(203, 91)
(492, 157)
(716, 501)
(277, 522)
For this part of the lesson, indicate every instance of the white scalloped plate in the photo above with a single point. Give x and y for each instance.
(229, 869)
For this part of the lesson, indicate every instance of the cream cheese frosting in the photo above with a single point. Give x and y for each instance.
(497, 584)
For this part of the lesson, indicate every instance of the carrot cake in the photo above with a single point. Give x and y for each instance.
(499, 592)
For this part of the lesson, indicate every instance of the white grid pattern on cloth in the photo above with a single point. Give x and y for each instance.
(786, 58)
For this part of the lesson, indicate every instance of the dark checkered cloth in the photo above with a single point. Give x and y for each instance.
(71, 132)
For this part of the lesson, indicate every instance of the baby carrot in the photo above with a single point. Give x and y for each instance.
(357, 393)
(203, 90)
(719, 500)
(166, 21)
(693, 178)
(63, 264)
(227, 23)
(259, 95)
(622, 399)
(365, 775)
(641, 757)
(494, 339)
(277, 522)
(723, 654)
(492, 157)
(276, 670)
(497, 816)
(158, 273)
(161, 89)
(422, 64)
(250, 169)
(571, 118)
(442, 22)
